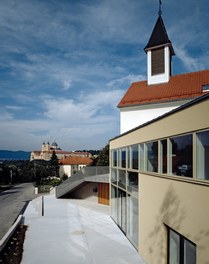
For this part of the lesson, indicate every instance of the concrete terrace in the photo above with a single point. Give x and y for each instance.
(76, 232)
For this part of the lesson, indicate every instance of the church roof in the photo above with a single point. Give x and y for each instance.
(159, 37)
(180, 87)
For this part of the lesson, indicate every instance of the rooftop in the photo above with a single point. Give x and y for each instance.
(180, 87)
(75, 160)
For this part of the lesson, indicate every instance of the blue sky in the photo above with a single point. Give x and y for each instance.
(66, 64)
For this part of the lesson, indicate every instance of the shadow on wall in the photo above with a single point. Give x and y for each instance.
(171, 211)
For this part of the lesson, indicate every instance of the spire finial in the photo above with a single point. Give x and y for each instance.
(160, 11)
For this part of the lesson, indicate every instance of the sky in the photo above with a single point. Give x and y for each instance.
(65, 64)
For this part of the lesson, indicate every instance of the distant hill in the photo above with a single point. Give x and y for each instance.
(14, 155)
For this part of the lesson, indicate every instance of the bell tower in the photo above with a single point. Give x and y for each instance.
(159, 51)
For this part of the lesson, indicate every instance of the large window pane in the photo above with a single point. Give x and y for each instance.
(122, 210)
(189, 253)
(122, 178)
(152, 156)
(164, 155)
(182, 155)
(132, 181)
(174, 248)
(114, 158)
(132, 220)
(203, 155)
(141, 164)
(114, 203)
(134, 157)
(114, 176)
(123, 158)
(129, 157)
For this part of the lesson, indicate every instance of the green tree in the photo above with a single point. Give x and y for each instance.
(103, 158)
(54, 164)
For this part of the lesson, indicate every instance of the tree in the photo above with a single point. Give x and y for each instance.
(54, 164)
(103, 158)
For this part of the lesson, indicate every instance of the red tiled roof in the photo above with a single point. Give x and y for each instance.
(183, 86)
(75, 160)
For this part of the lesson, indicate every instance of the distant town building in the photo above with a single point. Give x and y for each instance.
(47, 149)
(71, 164)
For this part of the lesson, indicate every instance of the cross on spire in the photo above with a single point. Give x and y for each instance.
(160, 11)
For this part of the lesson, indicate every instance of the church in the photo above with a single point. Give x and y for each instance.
(159, 164)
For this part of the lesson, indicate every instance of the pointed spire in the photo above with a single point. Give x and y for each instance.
(159, 36)
(160, 10)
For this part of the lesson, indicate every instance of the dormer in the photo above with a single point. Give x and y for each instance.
(159, 55)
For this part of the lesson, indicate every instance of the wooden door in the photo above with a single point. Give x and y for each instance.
(103, 193)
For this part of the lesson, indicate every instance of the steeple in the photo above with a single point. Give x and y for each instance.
(159, 51)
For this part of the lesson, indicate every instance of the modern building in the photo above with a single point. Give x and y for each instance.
(159, 164)
(71, 164)
(160, 185)
(47, 149)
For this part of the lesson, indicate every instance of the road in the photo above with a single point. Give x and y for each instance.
(12, 202)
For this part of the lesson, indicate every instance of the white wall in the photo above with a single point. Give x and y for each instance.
(159, 78)
(131, 117)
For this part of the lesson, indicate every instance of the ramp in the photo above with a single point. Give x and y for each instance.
(86, 174)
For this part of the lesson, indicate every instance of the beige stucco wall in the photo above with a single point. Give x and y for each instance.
(178, 202)
(189, 120)
(182, 206)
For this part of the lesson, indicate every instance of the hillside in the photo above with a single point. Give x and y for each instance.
(14, 155)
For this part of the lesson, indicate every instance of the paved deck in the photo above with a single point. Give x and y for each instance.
(75, 232)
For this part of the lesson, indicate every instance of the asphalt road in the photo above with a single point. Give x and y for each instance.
(12, 202)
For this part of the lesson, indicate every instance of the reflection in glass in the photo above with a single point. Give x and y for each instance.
(122, 210)
(174, 246)
(132, 219)
(123, 158)
(152, 156)
(135, 157)
(114, 176)
(132, 181)
(203, 155)
(141, 146)
(114, 158)
(114, 203)
(122, 178)
(182, 155)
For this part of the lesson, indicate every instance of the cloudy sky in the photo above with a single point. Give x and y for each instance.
(65, 64)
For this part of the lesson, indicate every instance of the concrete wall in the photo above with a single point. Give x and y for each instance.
(87, 192)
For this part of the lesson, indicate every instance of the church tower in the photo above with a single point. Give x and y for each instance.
(159, 51)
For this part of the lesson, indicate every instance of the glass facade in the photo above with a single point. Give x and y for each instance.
(185, 156)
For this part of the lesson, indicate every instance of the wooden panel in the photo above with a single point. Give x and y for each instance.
(103, 193)
(158, 64)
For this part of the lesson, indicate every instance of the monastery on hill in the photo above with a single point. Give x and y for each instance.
(46, 152)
